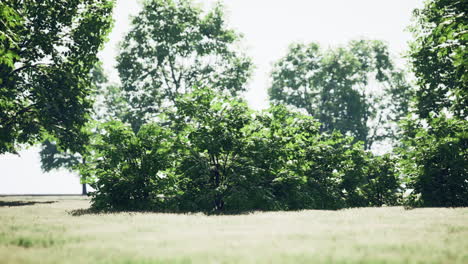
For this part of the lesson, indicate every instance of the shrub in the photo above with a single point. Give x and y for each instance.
(126, 169)
(434, 159)
(215, 154)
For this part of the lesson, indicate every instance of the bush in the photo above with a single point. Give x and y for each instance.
(126, 169)
(434, 159)
(383, 185)
(215, 154)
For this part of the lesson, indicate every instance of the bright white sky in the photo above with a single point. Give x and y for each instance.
(269, 26)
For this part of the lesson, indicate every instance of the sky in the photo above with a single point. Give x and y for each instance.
(268, 27)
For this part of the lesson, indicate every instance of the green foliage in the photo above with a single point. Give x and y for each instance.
(128, 166)
(334, 86)
(52, 158)
(172, 46)
(10, 22)
(51, 154)
(435, 162)
(217, 154)
(47, 50)
(211, 141)
(434, 151)
(439, 57)
(383, 184)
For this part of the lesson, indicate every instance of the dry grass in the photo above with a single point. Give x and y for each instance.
(32, 230)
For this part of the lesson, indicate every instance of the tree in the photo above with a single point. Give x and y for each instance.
(439, 58)
(355, 89)
(171, 47)
(434, 151)
(217, 155)
(211, 140)
(52, 155)
(52, 158)
(47, 50)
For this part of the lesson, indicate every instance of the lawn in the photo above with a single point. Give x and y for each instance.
(43, 230)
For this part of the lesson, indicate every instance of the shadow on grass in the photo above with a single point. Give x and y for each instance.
(22, 203)
(80, 212)
(92, 211)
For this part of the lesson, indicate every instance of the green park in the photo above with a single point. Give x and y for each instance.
(196, 143)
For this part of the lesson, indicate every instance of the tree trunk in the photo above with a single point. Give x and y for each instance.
(84, 191)
(218, 199)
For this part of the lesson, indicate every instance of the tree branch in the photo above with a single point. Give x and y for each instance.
(26, 67)
(370, 141)
(176, 81)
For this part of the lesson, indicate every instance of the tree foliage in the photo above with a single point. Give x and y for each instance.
(47, 50)
(172, 46)
(126, 168)
(435, 162)
(439, 57)
(218, 155)
(52, 158)
(355, 89)
(434, 153)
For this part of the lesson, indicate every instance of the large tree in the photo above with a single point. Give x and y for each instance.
(174, 45)
(435, 139)
(354, 89)
(47, 49)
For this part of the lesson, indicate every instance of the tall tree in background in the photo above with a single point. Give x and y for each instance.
(52, 156)
(53, 159)
(47, 49)
(435, 152)
(355, 89)
(172, 46)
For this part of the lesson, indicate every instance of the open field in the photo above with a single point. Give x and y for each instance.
(42, 230)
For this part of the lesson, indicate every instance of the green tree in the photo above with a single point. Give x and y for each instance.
(434, 155)
(52, 158)
(439, 57)
(211, 142)
(434, 162)
(172, 46)
(47, 49)
(355, 89)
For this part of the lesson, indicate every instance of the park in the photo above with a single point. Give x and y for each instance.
(234, 132)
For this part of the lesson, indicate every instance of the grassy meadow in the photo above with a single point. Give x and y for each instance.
(45, 230)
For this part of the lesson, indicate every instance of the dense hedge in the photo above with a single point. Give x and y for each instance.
(215, 154)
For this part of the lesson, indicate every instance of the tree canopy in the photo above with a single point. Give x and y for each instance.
(47, 50)
(354, 89)
(435, 140)
(439, 58)
(172, 46)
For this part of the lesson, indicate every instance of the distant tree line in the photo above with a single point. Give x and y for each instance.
(175, 134)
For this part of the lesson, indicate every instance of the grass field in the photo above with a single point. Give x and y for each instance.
(42, 230)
